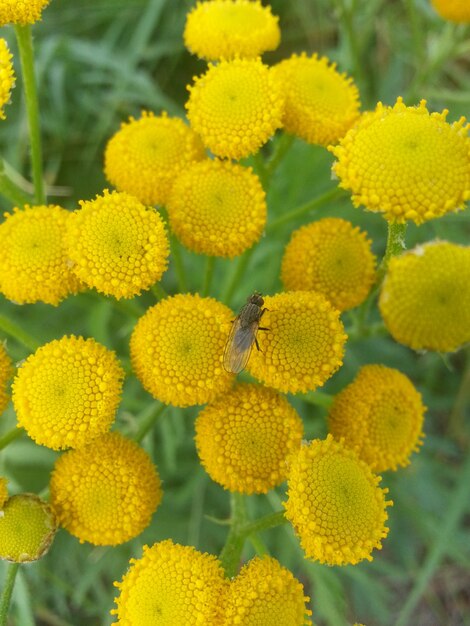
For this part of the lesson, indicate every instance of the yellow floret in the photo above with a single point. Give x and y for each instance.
(224, 29)
(117, 245)
(217, 208)
(21, 11)
(454, 10)
(245, 437)
(380, 415)
(33, 259)
(406, 163)
(333, 257)
(106, 492)
(335, 504)
(321, 104)
(27, 528)
(145, 155)
(304, 345)
(171, 584)
(3, 491)
(177, 348)
(266, 594)
(425, 297)
(67, 392)
(6, 372)
(236, 106)
(7, 75)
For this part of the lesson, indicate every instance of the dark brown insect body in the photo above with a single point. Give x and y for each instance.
(243, 334)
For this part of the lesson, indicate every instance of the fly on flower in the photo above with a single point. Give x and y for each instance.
(243, 334)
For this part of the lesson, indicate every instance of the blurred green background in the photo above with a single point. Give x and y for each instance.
(99, 61)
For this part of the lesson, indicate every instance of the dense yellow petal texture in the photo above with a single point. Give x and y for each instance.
(304, 345)
(7, 76)
(217, 208)
(6, 372)
(3, 491)
(236, 106)
(406, 163)
(380, 415)
(321, 104)
(171, 585)
(117, 245)
(145, 155)
(224, 29)
(425, 297)
(34, 265)
(245, 436)
(177, 348)
(67, 392)
(333, 257)
(106, 492)
(335, 504)
(27, 528)
(454, 10)
(266, 594)
(21, 11)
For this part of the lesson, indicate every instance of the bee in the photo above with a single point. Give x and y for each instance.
(243, 334)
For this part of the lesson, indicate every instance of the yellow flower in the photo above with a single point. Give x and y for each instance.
(333, 257)
(117, 245)
(265, 594)
(454, 10)
(145, 155)
(27, 528)
(245, 437)
(7, 75)
(321, 104)
(33, 258)
(171, 584)
(177, 348)
(105, 492)
(380, 415)
(335, 504)
(217, 208)
(425, 297)
(235, 107)
(3, 491)
(406, 163)
(6, 372)
(67, 392)
(21, 11)
(224, 29)
(304, 345)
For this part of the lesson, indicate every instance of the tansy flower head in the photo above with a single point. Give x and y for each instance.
(106, 492)
(171, 584)
(21, 11)
(380, 415)
(6, 372)
(177, 349)
(117, 245)
(3, 491)
(33, 259)
(304, 345)
(425, 297)
(264, 594)
(67, 392)
(7, 75)
(333, 257)
(406, 163)
(217, 208)
(245, 437)
(235, 107)
(454, 10)
(27, 528)
(228, 28)
(321, 104)
(145, 155)
(335, 504)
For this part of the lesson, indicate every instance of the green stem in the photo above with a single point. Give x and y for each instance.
(209, 272)
(231, 553)
(282, 147)
(11, 435)
(350, 31)
(15, 331)
(178, 264)
(25, 46)
(395, 246)
(149, 421)
(416, 33)
(158, 291)
(7, 592)
(319, 398)
(233, 282)
(13, 193)
(263, 523)
(303, 210)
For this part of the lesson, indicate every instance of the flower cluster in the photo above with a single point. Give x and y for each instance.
(454, 10)
(6, 372)
(21, 11)
(7, 76)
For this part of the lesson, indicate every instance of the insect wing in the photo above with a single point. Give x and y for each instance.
(238, 346)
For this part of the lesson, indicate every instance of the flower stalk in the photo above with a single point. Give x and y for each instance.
(7, 592)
